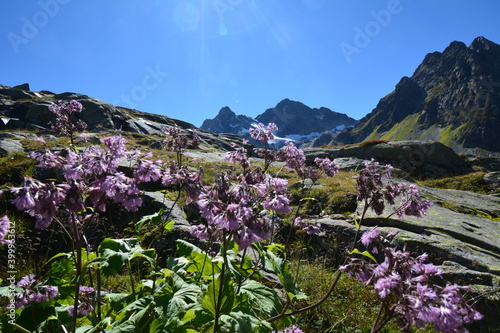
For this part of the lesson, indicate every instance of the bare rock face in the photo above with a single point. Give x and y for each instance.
(460, 234)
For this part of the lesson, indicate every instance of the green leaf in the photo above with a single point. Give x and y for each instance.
(199, 261)
(169, 225)
(276, 248)
(184, 249)
(364, 253)
(183, 294)
(265, 298)
(61, 271)
(62, 254)
(136, 321)
(238, 321)
(280, 267)
(358, 226)
(154, 218)
(118, 252)
(211, 297)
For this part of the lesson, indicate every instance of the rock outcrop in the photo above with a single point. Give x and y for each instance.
(21, 108)
(423, 159)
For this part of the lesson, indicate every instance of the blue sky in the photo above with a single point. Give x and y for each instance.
(187, 59)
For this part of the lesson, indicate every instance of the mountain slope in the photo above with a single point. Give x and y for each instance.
(452, 97)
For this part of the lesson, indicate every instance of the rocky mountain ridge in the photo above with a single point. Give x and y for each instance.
(295, 120)
(21, 108)
(452, 97)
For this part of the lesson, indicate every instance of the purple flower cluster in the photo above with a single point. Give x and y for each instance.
(407, 283)
(40, 200)
(238, 155)
(177, 141)
(4, 229)
(232, 204)
(32, 293)
(330, 168)
(187, 180)
(64, 111)
(90, 175)
(291, 329)
(309, 228)
(375, 193)
(85, 303)
(263, 134)
(293, 157)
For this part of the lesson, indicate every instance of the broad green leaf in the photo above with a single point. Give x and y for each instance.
(138, 305)
(184, 249)
(84, 329)
(276, 248)
(133, 324)
(100, 327)
(199, 261)
(188, 316)
(183, 294)
(59, 255)
(61, 270)
(211, 297)
(238, 321)
(265, 298)
(118, 251)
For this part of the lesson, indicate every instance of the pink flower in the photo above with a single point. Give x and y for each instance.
(262, 134)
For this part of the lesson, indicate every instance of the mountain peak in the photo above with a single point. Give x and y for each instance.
(226, 112)
(227, 121)
(455, 46)
(296, 118)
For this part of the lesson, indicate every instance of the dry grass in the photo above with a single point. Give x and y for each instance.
(352, 307)
(472, 182)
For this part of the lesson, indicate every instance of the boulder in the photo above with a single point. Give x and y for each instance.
(8, 146)
(349, 163)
